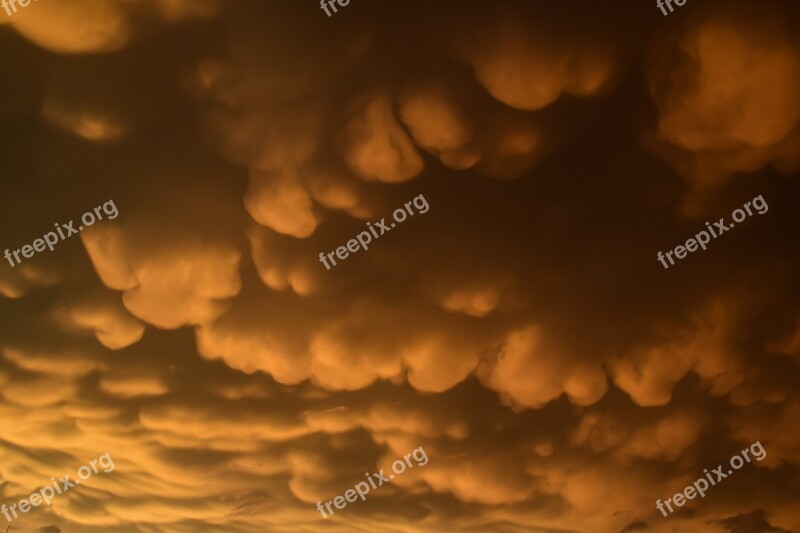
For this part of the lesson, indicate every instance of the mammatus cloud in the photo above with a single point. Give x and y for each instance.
(650, 374)
(707, 82)
(175, 287)
(522, 332)
(438, 122)
(114, 327)
(525, 68)
(525, 358)
(95, 26)
(375, 147)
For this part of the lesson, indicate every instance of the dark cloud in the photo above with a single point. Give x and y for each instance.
(636, 525)
(521, 330)
(752, 522)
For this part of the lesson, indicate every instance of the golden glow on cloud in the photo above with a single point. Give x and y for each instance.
(522, 332)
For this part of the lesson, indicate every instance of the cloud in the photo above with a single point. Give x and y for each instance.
(650, 373)
(527, 66)
(636, 525)
(752, 522)
(76, 27)
(439, 123)
(114, 327)
(169, 288)
(528, 373)
(522, 331)
(282, 205)
(714, 117)
(374, 145)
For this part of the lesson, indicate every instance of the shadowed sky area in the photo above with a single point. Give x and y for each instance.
(522, 330)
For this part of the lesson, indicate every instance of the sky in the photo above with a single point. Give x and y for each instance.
(531, 327)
